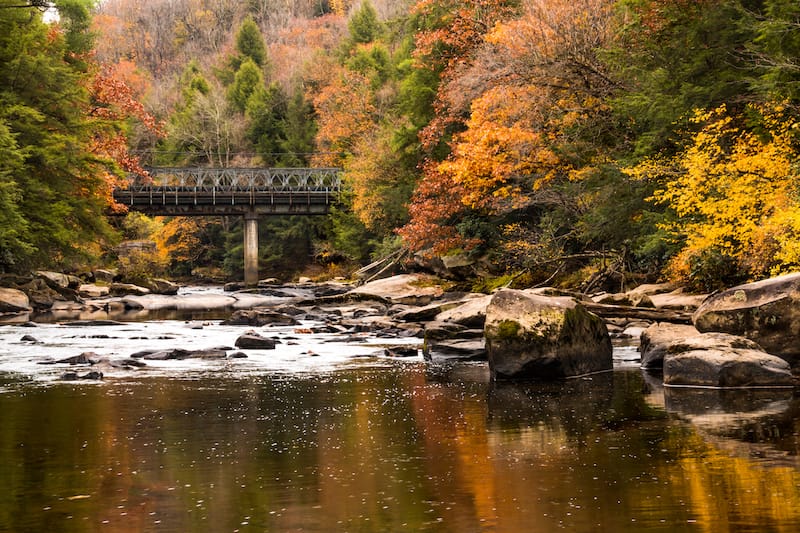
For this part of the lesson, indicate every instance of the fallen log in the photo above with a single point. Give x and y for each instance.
(640, 313)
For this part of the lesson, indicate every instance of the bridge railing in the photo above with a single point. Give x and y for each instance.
(237, 179)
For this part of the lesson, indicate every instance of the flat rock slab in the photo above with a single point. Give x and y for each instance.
(411, 289)
(726, 368)
(471, 313)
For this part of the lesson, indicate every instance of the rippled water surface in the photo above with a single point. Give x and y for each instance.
(324, 436)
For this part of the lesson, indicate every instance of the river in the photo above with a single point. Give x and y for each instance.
(323, 435)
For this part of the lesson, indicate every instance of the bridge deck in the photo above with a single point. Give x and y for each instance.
(232, 191)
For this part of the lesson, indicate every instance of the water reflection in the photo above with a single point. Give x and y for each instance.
(406, 447)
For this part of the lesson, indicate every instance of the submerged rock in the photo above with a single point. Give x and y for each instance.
(529, 336)
(260, 317)
(74, 376)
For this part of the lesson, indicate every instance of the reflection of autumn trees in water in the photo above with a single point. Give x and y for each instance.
(381, 449)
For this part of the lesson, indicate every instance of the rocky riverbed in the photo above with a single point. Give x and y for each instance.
(398, 317)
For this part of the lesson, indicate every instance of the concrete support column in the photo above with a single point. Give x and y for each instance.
(251, 249)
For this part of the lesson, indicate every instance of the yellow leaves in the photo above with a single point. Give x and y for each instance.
(734, 189)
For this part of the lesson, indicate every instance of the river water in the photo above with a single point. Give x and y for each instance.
(325, 435)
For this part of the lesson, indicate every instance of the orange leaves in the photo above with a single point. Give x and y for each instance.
(500, 154)
(345, 112)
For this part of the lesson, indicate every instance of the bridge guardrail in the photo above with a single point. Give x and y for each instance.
(236, 179)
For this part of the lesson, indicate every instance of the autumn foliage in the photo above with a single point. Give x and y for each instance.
(539, 134)
(733, 191)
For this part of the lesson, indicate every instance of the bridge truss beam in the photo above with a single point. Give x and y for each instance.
(247, 192)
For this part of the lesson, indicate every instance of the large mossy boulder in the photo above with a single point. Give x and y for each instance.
(767, 312)
(529, 336)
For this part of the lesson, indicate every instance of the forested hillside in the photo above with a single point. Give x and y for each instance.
(547, 140)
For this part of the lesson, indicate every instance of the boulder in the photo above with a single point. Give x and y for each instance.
(13, 301)
(260, 317)
(656, 341)
(767, 312)
(41, 295)
(410, 289)
(529, 336)
(253, 341)
(57, 280)
(125, 289)
(471, 313)
(678, 300)
(86, 358)
(88, 290)
(161, 286)
(722, 360)
(104, 276)
(626, 299)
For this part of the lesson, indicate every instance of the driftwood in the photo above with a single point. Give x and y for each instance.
(376, 269)
(641, 313)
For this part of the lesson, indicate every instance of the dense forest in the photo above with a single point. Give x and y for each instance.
(539, 141)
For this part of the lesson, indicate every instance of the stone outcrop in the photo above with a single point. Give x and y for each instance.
(529, 336)
(767, 312)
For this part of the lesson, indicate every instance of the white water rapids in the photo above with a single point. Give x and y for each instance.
(298, 349)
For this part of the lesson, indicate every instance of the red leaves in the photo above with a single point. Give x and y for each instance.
(435, 203)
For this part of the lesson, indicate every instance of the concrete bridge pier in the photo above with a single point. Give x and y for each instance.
(251, 248)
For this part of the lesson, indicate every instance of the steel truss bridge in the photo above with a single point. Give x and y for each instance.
(174, 191)
(248, 192)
